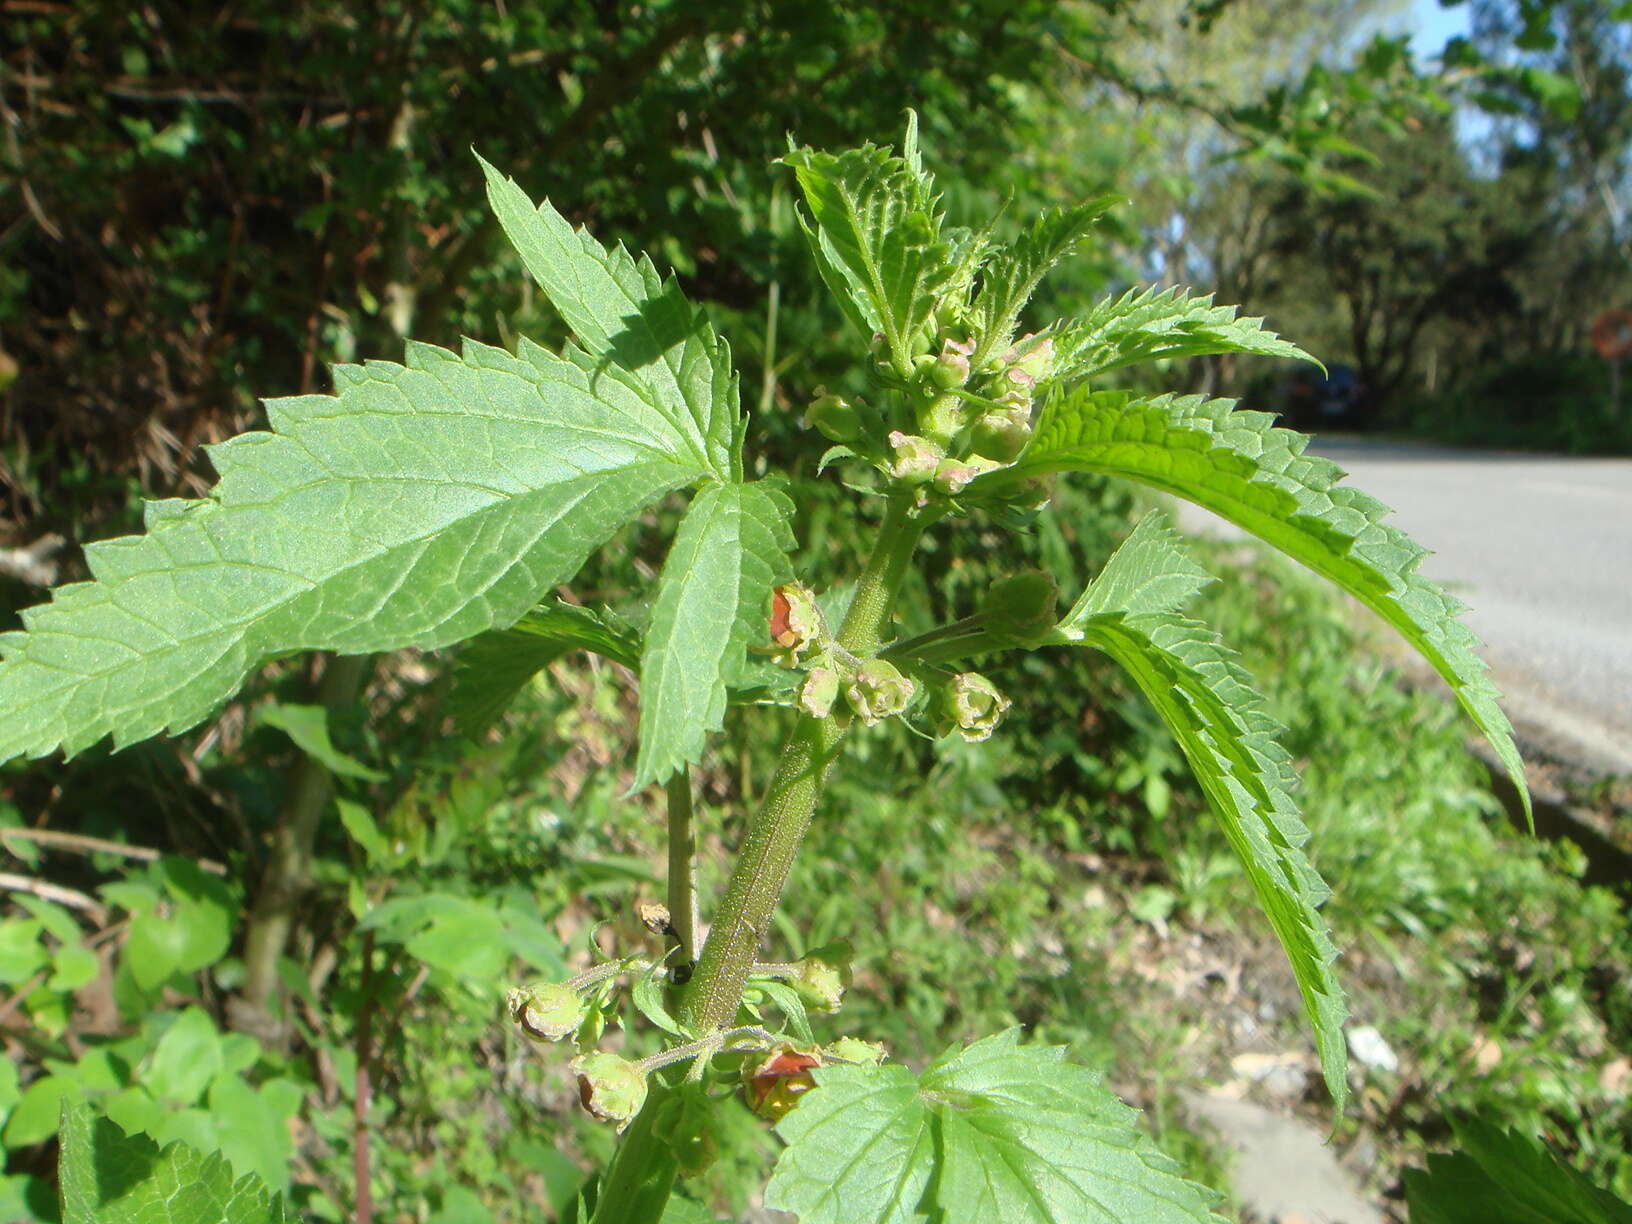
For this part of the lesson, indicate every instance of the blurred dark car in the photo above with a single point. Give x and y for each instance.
(1313, 401)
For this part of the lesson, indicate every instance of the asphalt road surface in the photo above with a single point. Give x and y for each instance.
(1540, 548)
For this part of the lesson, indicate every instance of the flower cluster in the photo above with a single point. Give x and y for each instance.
(949, 421)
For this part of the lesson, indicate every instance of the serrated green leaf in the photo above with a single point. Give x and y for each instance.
(1149, 573)
(997, 1131)
(1011, 276)
(647, 996)
(308, 726)
(420, 505)
(494, 666)
(108, 1177)
(712, 600)
(1241, 467)
(860, 1149)
(634, 325)
(1207, 701)
(1144, 325)
(876, 234)
(1502, 1175)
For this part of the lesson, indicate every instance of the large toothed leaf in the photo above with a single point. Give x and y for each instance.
(876, 235)
(1143, 325)
(109, 1177)
(494, 666)
(1208, 703)
(1238, 465)
(419, 506)
(997, 1131)
(1012, 276)
(712, 600)
(633, 324)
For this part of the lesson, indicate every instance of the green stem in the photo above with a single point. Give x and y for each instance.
(776, 830)
(682, 868)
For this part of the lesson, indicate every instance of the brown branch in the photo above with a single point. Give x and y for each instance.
(71, 897)
(78, 843)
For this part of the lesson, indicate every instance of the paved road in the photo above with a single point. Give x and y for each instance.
(1540, 548)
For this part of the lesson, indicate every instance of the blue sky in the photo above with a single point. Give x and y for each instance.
(1432, 26)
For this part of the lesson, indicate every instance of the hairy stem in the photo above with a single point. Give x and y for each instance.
(776, 830)
(682, 871)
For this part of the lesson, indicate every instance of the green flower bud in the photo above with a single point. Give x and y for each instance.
(1032, 493)
(855, 1050)
(1002, 435)
(796, 623)
(1020, 608)
(611, 1088)
(547, 1011)
(915, 458)
(1032, 356)
(821, 975)
(954, 475)
(971, 706)
(951, 369)
(819, 691)
(878, 691)
(835, 418)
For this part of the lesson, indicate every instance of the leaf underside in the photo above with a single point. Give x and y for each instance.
(1502, 1175)
(713, 599)
(418, 506)
(1219, 721)
(1151, 324)
(996, 1131)
(495, 666)
(1244, 469)
(108, 1177)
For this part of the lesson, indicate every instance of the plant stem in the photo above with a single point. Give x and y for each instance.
(682, 869)
(288, 869)
(774, 833)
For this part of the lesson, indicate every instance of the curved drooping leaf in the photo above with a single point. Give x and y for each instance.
(876, 234)
(1148, 324)
(996, 1131)
(1244, 469)
(418, 506)
(109, 1177)
(1207, 701)
(712, 600)
(494, 666)
(634, 325)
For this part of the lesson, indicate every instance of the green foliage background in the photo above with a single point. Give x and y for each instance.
(202, 207)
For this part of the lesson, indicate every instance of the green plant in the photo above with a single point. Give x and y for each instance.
(438, 501)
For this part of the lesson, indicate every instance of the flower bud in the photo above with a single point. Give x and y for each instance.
(971, 706)
(951, 369)
(1002, 435)
(819, 691)
(878, 691)
(855, 1050)
(796, 623)
(820, 976)
(1033, 493)
(611, 1088)
(834, 417)
(915, 458)
(547, 1011)
(953, 475)
(1032, 356)
(776, 1085)
(1020, 608)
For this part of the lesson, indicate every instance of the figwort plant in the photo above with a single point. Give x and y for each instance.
(427, 503)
